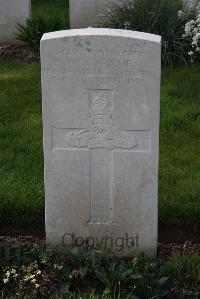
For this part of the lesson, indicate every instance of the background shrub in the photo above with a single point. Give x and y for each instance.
(31, 32)
(184, 269)
(163, 17)
(192, 32)
(47, 15)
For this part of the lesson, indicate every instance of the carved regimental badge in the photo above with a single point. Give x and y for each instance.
(102, 133)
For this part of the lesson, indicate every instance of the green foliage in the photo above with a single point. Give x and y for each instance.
(152, 284)
(21, 154)
(179, 176)
(47, 16)
(192, 32)
(46, 8)
(31, 32)
(116, 279)
(39, 271)
(184, 269)
(158, 17)
(139, 279)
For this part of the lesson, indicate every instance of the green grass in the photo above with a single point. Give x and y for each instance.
(47, 8)
(179, 196)
(21, 157)
(21, 160)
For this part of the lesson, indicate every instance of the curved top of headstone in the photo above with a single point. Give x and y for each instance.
(102, 32)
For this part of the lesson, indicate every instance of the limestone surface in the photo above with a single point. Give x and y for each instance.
(101, 111)
(12, 12)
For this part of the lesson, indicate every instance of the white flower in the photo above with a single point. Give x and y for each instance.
(58, 267)
(31, 277)
(180, 14)
(5, 280)
(37, 286)
(33, 280)
(38, 272)
(7, 274)
(192, 31)
(44, 260)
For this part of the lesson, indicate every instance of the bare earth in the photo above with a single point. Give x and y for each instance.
(18, 52)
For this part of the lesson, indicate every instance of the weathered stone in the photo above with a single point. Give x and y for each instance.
(12, 12)
(89, 13)
(101, 91)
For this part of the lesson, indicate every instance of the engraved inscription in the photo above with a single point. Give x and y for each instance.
(83, 63)
(101, 133)
(80, 47)
(113, 71)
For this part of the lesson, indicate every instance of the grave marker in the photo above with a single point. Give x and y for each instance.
(12, 12)
(101, 133)
(89, 13)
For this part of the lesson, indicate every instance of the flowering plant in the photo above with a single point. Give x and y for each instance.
(163, 17)
(192, 32)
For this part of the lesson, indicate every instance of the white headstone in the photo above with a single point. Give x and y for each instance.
(89, 13)
(101, 90)
(12, 12)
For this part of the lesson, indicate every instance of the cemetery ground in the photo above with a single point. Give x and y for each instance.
(22, 198)
(27, 266)
(22, 191)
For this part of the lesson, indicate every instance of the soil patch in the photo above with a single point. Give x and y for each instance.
(8, 51)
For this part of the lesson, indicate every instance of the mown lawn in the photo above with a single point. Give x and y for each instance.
(179, 192)
(21, 157)
(21, 172)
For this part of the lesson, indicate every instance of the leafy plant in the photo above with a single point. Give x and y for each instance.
(140, 279)
(31, 32)
(81, 264)
(152, 284)
(116, 278)
(39, 271)
(184, 269)
(163, 17)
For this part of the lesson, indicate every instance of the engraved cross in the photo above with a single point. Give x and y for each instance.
(102, 139)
